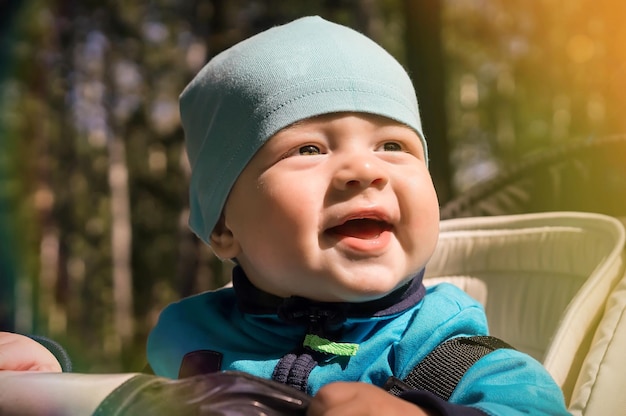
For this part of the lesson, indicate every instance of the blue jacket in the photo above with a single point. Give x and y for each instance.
(244, 329)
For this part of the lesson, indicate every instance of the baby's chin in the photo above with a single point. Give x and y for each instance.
(350, 295)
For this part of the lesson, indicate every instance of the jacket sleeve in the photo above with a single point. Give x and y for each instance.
(504, 382)
(56, 349)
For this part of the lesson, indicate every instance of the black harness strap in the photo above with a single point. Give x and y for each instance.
(441, 370)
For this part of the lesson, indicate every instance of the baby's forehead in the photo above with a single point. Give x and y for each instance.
(323, 119)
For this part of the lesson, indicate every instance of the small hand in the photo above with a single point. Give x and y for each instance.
(20, 353)
(352, 399)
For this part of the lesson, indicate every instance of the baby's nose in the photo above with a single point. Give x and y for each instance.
(358, 172)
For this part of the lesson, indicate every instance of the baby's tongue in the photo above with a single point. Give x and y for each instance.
(363, 228)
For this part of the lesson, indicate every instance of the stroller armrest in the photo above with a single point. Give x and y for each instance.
(37, 393)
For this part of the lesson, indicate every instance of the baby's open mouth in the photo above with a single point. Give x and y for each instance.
(363, 228)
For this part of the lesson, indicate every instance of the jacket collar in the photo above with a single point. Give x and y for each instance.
(296, 309)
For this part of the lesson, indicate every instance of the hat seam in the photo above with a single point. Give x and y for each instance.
(291, 100)
(346, 89)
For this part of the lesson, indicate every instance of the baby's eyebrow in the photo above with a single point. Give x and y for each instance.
(291, 126)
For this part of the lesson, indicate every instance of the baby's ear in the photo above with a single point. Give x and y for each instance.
(223, 242)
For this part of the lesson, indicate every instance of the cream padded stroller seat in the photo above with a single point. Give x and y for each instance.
(599, 389)
(544, 280)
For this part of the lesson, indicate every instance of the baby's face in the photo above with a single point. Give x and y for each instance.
(339, 207)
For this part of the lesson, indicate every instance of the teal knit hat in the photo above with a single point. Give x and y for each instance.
(288, 73)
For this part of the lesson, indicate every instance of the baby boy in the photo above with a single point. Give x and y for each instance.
(310, 171)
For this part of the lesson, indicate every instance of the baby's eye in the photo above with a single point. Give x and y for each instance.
(309, 149)
(391, 147)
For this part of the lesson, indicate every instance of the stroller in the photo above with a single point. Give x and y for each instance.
(540, 246)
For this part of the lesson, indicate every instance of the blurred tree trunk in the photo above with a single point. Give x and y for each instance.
(424, 51)
(121, 241)
(53, 148)
(116, 31)
(8, 251)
